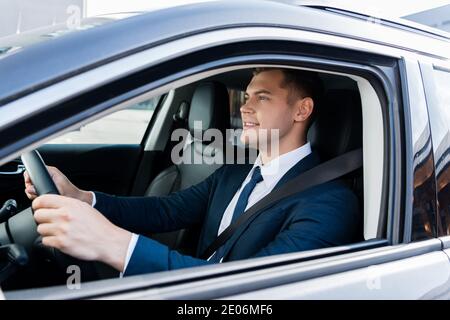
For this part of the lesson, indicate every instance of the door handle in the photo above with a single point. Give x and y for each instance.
(19, 171)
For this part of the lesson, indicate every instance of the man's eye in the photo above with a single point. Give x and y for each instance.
(263, 98)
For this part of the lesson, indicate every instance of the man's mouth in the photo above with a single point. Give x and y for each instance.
(249, 125)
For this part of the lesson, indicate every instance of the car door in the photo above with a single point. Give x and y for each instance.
(156, 69)
(420, 257)
(436, 79)
(380, 273)
(263, 265)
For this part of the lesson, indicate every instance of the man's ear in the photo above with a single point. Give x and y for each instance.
(303, 109)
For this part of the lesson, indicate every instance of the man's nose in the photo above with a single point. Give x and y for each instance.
(246, 107)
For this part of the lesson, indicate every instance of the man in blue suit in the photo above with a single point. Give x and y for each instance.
(96, 226)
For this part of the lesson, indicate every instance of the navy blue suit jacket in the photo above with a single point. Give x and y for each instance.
(322, 216)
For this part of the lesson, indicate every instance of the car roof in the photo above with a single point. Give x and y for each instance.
(399, 23)
(45, 63)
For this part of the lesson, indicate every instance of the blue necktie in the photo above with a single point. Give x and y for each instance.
(240, 206)
(245, 194)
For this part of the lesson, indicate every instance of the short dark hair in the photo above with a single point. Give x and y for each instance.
(300, 84)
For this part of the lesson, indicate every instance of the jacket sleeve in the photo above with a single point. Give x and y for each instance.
(179, 210)
(151, 256)
(327, 220)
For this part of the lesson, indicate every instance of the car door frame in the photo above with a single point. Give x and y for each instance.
(394, 196)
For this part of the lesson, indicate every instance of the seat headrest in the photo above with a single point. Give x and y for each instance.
(182, 113)
(338, 125)
(210, 105)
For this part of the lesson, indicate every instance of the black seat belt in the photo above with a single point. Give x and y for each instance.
(324, 172)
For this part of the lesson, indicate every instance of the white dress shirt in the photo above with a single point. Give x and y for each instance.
(271, 172)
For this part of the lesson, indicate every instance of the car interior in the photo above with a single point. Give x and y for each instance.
(145, 168)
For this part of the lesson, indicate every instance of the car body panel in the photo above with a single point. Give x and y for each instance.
(226, 283)
(106, 288)
(393, 280)
(439, 117)
(229, 286)
(421, 222)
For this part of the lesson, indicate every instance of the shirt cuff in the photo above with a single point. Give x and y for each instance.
(94, 199)
(131, 246)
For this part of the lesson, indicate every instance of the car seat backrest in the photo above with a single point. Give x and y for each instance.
(209, 106)
(338, 125)
(337, 130)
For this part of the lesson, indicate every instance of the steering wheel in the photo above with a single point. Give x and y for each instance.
(39, 174)
(23, 228)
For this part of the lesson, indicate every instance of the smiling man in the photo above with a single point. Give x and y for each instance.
(281, 100)
(96, 226)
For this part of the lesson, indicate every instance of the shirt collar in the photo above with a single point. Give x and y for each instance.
(273, 171)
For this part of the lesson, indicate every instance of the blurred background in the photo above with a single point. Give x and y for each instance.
(18, 16)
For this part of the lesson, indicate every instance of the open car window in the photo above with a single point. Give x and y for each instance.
(341, 91)
(126, 126)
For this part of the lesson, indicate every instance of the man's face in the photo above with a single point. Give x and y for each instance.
(266, 107)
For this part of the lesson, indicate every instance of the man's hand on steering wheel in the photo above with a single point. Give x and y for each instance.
(65, 187)
(79, 230)
(67, 221)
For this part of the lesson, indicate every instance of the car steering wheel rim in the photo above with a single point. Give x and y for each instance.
(43, 183)
(38, 173)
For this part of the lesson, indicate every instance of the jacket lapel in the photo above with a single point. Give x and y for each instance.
(226, 189)
(308, 162)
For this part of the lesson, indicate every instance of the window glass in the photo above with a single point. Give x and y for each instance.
(439, 110)
(424, 184)
(126, 126)
(237, 99)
